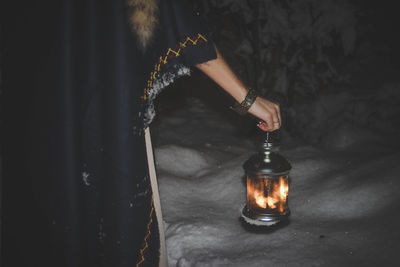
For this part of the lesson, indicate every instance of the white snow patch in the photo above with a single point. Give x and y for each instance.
(180, 161)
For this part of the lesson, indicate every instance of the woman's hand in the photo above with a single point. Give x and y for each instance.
(267, 111)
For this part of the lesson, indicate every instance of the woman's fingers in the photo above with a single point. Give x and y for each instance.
(278, 111)
(268, 112)
(277, 121)
(263, 126)
(276, 117)
(269, 120)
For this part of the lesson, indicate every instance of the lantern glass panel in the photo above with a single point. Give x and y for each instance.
(267, 194)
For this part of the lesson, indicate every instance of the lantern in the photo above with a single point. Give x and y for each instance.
(267, 186)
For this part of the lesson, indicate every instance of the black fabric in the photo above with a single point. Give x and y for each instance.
(177, 20)
(76, 189)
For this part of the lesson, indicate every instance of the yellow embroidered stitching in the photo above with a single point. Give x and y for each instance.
(147, 236)
(171, 53)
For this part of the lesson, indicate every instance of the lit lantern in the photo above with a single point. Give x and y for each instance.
(267, 186)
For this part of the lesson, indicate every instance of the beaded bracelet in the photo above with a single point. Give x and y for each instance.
(243, 107)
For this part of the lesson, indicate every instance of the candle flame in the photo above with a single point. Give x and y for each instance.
(283, 190)
(260, 199)
(272, 202)
(270, 194)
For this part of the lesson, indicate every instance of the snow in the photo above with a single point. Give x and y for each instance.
(180, 161)
(343, 195)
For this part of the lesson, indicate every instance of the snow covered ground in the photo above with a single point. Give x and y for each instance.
(344, 198)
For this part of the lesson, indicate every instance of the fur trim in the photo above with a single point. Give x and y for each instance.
(175, 71)
(143, 19)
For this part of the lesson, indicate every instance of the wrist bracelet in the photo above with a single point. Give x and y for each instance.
(243, 107)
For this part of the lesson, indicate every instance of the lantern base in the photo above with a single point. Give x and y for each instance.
(263, 219)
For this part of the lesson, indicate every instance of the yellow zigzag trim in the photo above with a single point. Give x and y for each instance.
(147, 236)
(171, 53)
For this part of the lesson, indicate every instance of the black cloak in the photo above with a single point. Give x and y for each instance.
(77, 93)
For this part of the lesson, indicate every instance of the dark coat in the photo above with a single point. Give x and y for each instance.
(76, 91)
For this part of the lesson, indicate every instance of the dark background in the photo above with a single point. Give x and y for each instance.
(367, 79)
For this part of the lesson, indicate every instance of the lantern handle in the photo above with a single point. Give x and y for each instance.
(267, 136)
(271, 140)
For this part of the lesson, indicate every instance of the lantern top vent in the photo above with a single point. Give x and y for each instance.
(268, 161)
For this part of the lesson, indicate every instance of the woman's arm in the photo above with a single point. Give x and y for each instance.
(219, 71)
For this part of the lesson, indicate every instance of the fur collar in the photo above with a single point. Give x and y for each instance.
(143, 18)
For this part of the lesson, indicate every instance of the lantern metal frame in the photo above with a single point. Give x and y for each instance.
(268, 164)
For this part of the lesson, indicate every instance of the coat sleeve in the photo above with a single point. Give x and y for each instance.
(182, 40)
(183, 29)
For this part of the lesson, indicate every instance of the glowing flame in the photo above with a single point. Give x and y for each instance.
(272, 202)
(260, 199)
(269, 194)
(283, 190)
